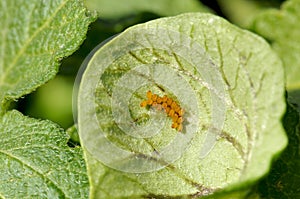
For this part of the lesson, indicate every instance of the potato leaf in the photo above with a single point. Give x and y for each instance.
(36, 162)
(35, 36)
(230, 84)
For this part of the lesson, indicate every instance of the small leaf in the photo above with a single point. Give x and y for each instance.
(36, 161)
(116, 9)
(35, 36)
(282, 29)
(73, 134)
(230, 84)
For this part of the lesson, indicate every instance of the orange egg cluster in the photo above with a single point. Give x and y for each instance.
(172, 109)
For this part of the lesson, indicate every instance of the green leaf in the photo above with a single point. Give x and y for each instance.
(35, 36)
(73, 134)
(36, 161)
(283, 180)
(242, 12)
(230, 84)
(282, 29)
(110, 9)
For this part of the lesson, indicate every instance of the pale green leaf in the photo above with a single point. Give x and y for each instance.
(35, 36)
(229, 82)
(35, 161)
(282, 29)
(109, 9)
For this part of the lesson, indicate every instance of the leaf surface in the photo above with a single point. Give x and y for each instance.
(35, 36)
(222, 76)
(36, 161)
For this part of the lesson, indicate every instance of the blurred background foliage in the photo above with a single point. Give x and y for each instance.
(53, 100)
